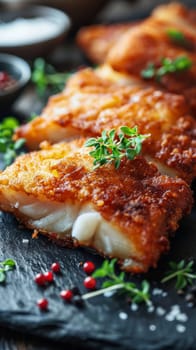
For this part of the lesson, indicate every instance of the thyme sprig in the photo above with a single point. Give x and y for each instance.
(8, 147)
(116, 282)
(45, 76)
(168, 66)
(6, 265)
(112, 147)
(182, 272)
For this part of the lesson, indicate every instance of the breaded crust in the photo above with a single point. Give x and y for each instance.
(97, 40)
(90, 104)
(149, 42)
(135, 200)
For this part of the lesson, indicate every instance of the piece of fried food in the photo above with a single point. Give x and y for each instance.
(150, 42)
(126, 213)
(90, 104)
(97, 40)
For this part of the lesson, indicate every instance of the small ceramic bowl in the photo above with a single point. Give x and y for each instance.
(32, 31)
(18, 74)
(80, 11)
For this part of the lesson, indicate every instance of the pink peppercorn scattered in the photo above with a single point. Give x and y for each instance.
(66, 295)
(56, 267)
(88, 267)
(40, 279)
(90, 282)
(42, 304)
(49, 276)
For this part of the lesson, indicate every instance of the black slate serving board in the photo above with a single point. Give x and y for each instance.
(97, 324)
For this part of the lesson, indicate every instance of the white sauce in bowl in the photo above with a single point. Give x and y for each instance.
(27, 31)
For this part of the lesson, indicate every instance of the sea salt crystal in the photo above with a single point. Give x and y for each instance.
(180, 328)
(176, 314)
(152, 327)
(123, 315)
(150, 307)
(109, 294)
(25, 241)
(182, 317)
(134, 307)
(157, 291)
(169, 317)
(160, 311)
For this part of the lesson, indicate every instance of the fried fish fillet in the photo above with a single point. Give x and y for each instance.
(90, 104)
(149, 42)
(97, 40)
(126, 213)
(130, 48)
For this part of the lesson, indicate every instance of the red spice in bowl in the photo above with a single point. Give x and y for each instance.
(6, 81)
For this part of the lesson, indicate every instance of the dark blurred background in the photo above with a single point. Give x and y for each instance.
(87, 11)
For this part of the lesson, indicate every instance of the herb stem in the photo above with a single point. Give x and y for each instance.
(175, 274)
(102, 291)
(170, 277)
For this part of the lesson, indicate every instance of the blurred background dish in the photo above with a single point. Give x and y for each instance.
(15, 73)
(32, 31)
(84, 12)
(80, 11)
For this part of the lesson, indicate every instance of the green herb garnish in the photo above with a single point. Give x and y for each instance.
(116, 282)
(181, 272)
(45, 76)
(9, 148)
(176, 36)
(6, 265)
(112, 147)
(168, 66)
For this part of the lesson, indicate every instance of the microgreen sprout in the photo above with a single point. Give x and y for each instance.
(182, 272)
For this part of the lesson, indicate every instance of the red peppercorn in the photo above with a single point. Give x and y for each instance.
(55, 267)
(48, 276)
(66, 295)
(90, 282)
(40, 279)
(42, 304)
(88, 267)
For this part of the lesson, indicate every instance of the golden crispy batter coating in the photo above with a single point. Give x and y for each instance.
(97, 40)
(130, 48)
(149, 42)
(136, 200)
(90, 104)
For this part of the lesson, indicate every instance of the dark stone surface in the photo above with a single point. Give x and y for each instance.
(97, 324)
